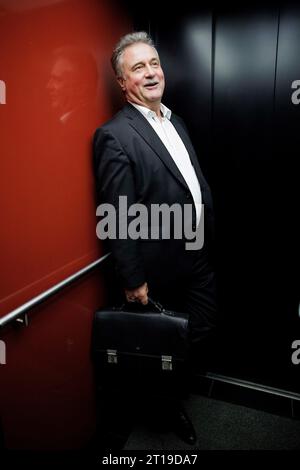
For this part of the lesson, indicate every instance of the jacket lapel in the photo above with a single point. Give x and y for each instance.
(142, 126)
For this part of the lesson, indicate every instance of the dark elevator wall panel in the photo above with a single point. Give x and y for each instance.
(287, 119)
(224, 77)
(220, 71)
(248, 196)
(245, 57)
(287, 105)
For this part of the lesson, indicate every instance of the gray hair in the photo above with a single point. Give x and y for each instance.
(126, 41)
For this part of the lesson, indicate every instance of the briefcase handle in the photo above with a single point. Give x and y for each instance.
(151, 302)
(156, 305)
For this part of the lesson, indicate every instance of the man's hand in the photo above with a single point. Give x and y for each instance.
(139, 294)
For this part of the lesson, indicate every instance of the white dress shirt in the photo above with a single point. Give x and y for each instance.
(176, 148)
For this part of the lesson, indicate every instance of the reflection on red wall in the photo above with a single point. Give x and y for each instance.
(54, 63)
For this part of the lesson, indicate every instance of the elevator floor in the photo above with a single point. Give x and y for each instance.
(222, 426)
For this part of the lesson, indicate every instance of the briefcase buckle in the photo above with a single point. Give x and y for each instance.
(166, 363)
(112, 357)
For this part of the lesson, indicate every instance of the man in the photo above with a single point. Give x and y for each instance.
(145, 154)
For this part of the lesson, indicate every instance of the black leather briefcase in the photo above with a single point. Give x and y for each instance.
(140, 348)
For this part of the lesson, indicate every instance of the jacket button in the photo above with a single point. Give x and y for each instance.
(188, 195)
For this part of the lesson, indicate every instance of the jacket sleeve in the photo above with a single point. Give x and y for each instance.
(114, 178)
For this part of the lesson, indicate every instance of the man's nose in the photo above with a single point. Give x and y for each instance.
(150, 71)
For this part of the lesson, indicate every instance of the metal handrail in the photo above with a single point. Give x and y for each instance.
(252, 385)
(20, 312)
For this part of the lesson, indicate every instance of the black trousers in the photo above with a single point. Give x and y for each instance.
(194, 293)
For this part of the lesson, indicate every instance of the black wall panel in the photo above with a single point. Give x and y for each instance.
(229, 74)
(286, 149)
(245, 189)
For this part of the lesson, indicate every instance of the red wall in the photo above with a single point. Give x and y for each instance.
(54, 61)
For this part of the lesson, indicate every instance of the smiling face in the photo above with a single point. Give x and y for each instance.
(142, 78)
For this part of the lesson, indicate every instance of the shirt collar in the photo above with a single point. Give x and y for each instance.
(148, 113)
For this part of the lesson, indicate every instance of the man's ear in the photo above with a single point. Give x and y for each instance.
(121, 82)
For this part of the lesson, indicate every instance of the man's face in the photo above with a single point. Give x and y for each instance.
(61, 85)
(143, 79)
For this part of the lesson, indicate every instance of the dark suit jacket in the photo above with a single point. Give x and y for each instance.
(131, 160)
